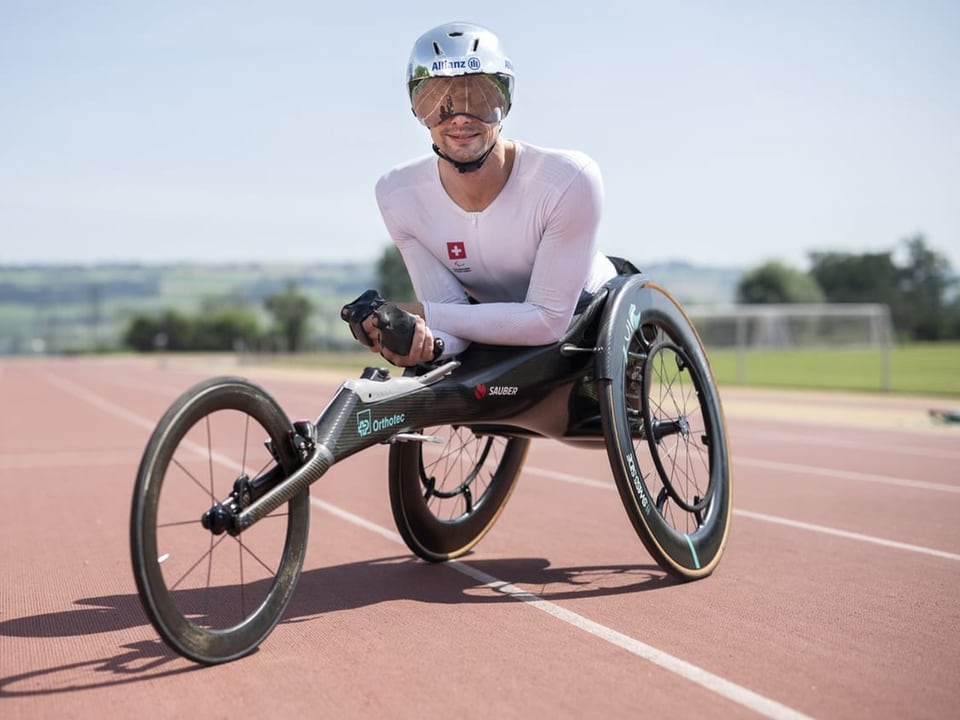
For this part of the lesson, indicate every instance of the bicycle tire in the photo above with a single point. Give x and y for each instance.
(434, 495)
(681, 509)
(215, 598)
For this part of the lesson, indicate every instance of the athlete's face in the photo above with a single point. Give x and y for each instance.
(463, 113)
(464, 138)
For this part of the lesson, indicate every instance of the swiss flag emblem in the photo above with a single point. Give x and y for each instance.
(456, 250)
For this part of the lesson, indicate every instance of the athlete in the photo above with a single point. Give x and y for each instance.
(499, 236)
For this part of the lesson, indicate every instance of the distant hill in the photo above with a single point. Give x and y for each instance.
(70, 308)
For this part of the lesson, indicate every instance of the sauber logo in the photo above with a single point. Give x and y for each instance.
(481, 391)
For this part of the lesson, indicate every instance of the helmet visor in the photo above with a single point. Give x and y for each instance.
(438, 99)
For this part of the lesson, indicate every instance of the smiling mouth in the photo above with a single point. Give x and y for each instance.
(472, 128)
(462, 139)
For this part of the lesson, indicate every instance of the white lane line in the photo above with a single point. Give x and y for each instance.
(845, 474)
(100, 402)
(735, 693)
(138, 420)
(871, 447)
(567, 477)
(846, 534)
(771, 465)
(383, 532)
(774, 519)
(34, 461)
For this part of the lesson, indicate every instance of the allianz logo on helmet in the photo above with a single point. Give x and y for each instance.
(472, 63)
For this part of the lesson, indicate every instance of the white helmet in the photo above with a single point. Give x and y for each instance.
(460, 48)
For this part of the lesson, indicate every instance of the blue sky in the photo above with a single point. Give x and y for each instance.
(728, 133)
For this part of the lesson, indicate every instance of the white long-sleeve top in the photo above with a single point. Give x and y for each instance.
(524, 259)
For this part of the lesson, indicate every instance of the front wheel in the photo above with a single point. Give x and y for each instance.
(447, 493)
(211, 594)
(661, 408)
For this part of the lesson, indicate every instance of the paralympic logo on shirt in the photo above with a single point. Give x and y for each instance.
(457, 253)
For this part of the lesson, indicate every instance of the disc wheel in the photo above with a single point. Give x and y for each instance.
(446, 495)
(666, 439)
(212, 595)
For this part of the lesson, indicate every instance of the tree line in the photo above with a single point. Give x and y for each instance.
(226, 325)
(920, 290)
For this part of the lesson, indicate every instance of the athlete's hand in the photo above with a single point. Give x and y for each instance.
(421, 348)
(373, 332)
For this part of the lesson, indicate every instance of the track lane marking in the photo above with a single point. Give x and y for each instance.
(846, 534)
(773, 519)
(721, 686)
(39, 461)
(100, 402)
(845, 474)
(864, 445)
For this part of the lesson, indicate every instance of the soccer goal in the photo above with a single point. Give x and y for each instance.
(833, 326)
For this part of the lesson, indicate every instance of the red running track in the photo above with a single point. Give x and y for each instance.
(836, 598)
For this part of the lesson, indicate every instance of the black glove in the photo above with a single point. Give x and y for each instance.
(359, 310)
(396, 328)
(396, 325)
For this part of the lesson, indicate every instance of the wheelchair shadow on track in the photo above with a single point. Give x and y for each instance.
(370, 582)
(320, 591)
(406, 578)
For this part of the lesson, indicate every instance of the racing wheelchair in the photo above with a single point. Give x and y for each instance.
(221, 505)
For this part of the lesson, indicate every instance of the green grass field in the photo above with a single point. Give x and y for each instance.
(918, 368)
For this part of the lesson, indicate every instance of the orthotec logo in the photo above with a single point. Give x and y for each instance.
(367, 424)
(364, 424)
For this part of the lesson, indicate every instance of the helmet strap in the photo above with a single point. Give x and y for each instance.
(466, 167)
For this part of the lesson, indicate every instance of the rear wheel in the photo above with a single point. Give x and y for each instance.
(446, 495)
(661, 411)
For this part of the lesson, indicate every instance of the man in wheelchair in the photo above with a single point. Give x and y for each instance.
(499, 237)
